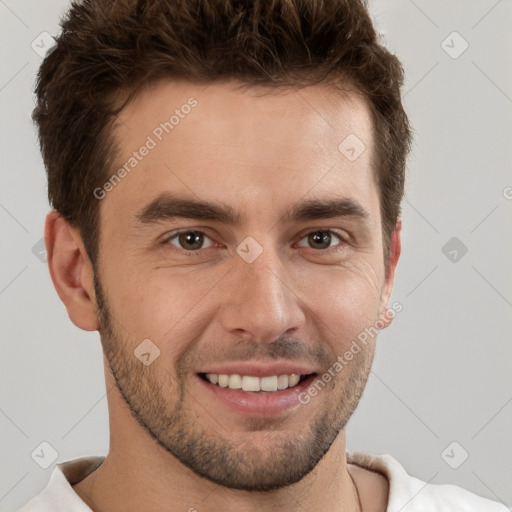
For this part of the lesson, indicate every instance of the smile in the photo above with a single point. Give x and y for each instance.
(252, 383)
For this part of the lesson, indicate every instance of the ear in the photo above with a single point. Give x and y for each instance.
(71, 271)
(395, 248)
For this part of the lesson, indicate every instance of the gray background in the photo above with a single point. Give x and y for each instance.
(442, 370)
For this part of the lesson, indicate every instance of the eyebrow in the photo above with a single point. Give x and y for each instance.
(169, 206)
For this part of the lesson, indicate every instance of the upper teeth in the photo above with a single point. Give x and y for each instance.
(250, 383)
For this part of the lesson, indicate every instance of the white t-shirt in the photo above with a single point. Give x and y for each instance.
(406, 493)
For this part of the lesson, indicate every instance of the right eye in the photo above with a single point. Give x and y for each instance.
(188, 240)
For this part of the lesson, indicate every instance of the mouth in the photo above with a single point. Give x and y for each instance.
(255, 396)
(254, 384)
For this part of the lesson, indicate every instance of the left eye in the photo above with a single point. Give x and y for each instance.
(321, 238)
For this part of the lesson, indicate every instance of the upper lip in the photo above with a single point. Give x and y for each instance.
(259, 369)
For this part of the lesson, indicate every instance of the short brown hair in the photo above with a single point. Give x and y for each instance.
(121, 46)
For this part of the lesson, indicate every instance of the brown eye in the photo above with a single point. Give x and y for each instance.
(322, 239)
(189, 240)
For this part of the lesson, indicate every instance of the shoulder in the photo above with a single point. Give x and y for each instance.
(58, 495)
(410, 494)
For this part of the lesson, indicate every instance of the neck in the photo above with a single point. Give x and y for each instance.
(154, 480)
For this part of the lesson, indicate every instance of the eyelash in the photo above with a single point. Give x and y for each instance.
(343, 241)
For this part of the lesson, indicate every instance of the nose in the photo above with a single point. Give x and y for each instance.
(263, 302)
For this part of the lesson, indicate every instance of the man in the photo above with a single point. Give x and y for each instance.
(226, 180)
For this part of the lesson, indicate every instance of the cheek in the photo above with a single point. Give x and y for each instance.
(166, 304)
(163, 306)
(347, 299)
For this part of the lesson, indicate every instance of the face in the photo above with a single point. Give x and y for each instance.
(246, 247)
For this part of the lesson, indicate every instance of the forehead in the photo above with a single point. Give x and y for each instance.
(242, 144)
(228, 111)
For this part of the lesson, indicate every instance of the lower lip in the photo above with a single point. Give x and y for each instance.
(262, 403)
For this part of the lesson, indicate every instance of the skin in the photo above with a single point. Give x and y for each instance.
(260, 154)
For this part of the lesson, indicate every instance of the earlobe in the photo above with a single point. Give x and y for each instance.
(71, 271)
(395, 249)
